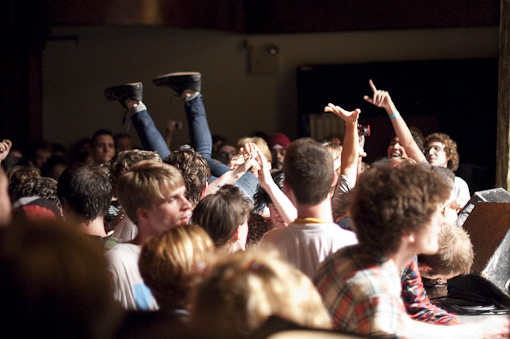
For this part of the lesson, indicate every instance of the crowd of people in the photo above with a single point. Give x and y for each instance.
(220, 241)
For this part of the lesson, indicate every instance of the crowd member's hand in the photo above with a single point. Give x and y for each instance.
(347, 116)
(5, 148)
(379, 98)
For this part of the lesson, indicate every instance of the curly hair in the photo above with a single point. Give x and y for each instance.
(389, 201)
(194, 169)
(450, 148)
(38, 187)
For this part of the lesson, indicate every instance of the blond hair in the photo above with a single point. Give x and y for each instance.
(243, 289)
(170, 261)
(145, 184)
(455, 254)
(261, 144)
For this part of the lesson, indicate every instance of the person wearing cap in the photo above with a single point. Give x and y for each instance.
(278, 143)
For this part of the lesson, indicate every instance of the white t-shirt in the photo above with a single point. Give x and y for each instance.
(307, 245)
(461, 190)
(125, 230)
(128, 286)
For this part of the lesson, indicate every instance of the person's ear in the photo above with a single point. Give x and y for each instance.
(142, 214)
(335, 179)
(424, 267)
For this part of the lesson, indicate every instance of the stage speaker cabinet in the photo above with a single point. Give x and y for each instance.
(488, 226)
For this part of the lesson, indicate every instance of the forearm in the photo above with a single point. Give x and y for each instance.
(350, 151)
(404, 134)
(282, 203)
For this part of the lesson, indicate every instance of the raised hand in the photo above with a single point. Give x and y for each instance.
(379, 98)
(347, 116)
(5, 148)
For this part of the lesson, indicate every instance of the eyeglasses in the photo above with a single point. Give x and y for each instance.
(436, 149)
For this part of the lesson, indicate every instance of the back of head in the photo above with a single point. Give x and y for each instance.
(243, 289)
(170, 261)
(450, 148)
(194, 169)
(125, 159)
(145, 184)
(18, 174)
(221, 213)
(390, 201)
(455, 255)
(86, 190)
(308, 169)
(37, 187)
(57, 282)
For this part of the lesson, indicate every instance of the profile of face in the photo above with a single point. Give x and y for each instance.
(436, 154)
(242, 235)
(276, 218)
(278, 154)
(396, 150)
(103, 149)
(426, 239)
(41, 156)
(169, 212)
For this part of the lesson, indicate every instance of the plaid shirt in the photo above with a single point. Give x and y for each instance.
(361, 293)
(417, 304)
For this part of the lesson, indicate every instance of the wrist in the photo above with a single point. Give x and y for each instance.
(394, 115)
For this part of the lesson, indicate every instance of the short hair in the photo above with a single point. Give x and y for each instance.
(98, 133)
(87, 190)
(308, 169)
(221, 213)
(446, 174)
(38, 187)
(390, 201)
(455, 255)
(243, 289)
(194, 169)
(57, 282)
(125, 159)
(17, 174)
(261, 144)
(450, 148)
(145, 184)
(170, 262)
(261, 197)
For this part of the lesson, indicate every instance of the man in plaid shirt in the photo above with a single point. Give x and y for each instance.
(397, 215)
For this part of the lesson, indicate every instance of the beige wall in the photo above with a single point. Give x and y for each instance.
(238, 103)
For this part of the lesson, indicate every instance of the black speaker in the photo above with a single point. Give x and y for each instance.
(488, 227)
(492, 195)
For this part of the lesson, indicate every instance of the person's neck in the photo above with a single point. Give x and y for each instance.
(321, 211)
(402, 258)
(94, 227)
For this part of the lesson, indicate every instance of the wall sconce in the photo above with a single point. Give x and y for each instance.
(263, 60)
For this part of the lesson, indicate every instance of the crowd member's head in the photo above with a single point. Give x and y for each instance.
(441, 151)
(125, 159)
(308, 169)
(335, 149)
(278, 143)
(56, 282)
(195, 172)
(123, 142)
(263, 199)
(261, 144)
(39, 152)
(390, 202)
(170, 262)
(5, 201)
(224, 216)
(38, 187)
(225, 153)
(455, 255)
(17, 174)
(242, 290)
(54, 167)
(85, 192)
(396, 150)
(102, 146)
(153, 196)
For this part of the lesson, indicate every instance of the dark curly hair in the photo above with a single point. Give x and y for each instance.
(450, 148)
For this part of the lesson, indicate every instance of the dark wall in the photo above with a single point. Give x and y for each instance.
(456, 97)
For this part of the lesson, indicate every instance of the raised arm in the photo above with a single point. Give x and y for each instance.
(351, 148)
(382, 99)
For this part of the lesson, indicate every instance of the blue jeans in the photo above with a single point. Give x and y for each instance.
(200, 140)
